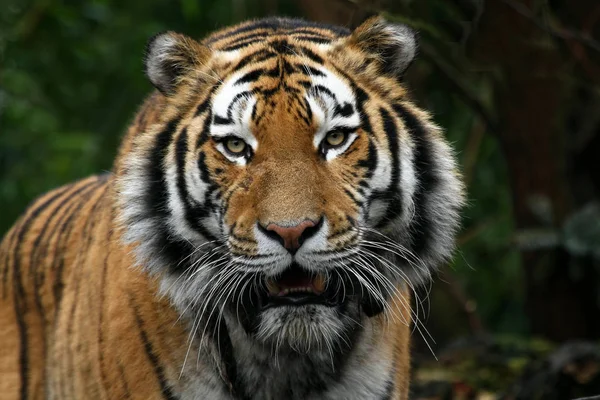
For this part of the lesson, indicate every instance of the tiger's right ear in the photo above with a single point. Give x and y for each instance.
(391, 46)
(171, 57)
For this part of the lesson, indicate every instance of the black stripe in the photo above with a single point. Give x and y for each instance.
(259, 56)
(361, 98)
(311, 54)
(206, 103)
(157, 197)
(289, 68)
(323, 89)
(204, 134)
(233, 383)
(219, 120)
(337, 234)
(258, 36)
(20, 311)
(181, 150)
(254, 75)
(19, 293)
(311, 31)
(235, 100)
(124, 381)
(389, 389)
(370, 163)
(352, 197)
(392, 193)
(345, 110)
(427, 179)
(240, 249)
(239, 45)
(312, 38)
(304, 83)
(102, 289)
(7, 243)
(240, 238)
(63, 234)
(193, 212)
(309, 113)
(310, 70)
(208, 206)
(152, 357)
(344, 129)
(254, 110)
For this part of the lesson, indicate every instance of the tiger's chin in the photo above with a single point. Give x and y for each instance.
(307, 328)
(302, 312)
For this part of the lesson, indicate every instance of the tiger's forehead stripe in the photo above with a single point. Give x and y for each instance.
(252, 32)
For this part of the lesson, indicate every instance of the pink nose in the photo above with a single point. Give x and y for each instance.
(292, 237)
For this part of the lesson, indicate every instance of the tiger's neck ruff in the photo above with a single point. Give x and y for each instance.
(282, 197)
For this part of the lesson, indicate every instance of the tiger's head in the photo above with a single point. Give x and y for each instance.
(285, 181)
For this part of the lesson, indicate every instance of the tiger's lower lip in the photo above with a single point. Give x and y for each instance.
(298, 300)
(298, 287)
(304, 285)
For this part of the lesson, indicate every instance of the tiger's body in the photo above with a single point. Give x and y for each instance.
(278, 157)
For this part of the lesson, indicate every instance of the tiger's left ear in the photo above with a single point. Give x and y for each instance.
(171, 58)
(393, 46)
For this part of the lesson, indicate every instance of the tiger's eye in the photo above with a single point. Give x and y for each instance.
(334, 139)
(235, 145)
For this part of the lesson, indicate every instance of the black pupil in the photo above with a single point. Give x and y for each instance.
(335, 137)
(235, 143)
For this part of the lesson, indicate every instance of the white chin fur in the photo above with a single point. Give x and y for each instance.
(302, 328)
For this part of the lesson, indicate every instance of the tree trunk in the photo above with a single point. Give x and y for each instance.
(530, 100)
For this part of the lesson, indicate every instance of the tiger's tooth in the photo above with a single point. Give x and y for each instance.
(318, 283)
(272, 287)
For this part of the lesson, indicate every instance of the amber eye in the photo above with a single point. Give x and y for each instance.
(335, 138)
(235, 146)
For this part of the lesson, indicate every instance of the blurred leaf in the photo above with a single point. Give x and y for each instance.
(582, 231)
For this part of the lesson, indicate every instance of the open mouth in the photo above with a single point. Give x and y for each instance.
(296, 286)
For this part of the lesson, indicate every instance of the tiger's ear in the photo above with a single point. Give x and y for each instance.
(393, 46)
(171, 57)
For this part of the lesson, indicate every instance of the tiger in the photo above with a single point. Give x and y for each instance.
(272, 207)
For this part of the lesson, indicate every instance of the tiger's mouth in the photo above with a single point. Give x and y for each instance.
(297, 286)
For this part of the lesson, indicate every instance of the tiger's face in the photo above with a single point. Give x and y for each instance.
(290, 185)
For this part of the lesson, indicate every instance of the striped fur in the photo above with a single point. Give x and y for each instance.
(149, 282)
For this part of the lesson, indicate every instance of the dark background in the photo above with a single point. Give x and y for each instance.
(515, 84)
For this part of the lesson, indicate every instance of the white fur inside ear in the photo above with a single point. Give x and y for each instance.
(404, 45)
(159, 51)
